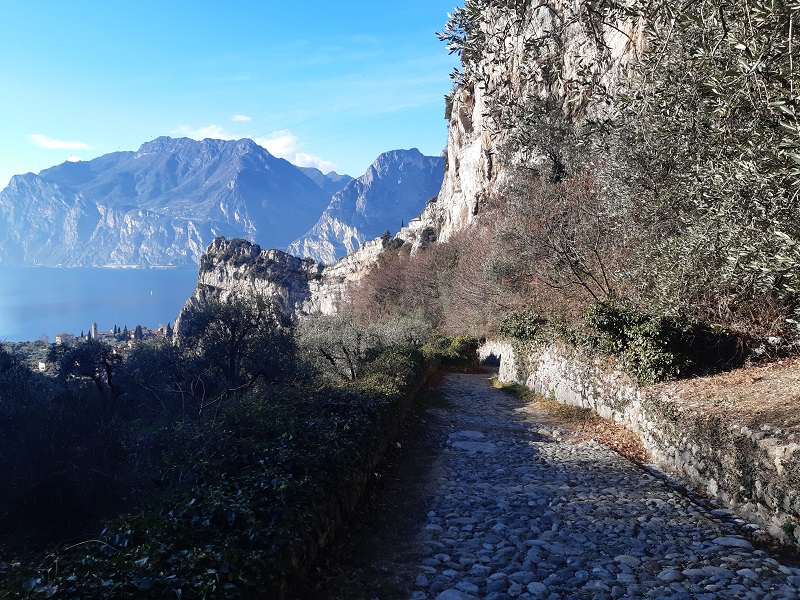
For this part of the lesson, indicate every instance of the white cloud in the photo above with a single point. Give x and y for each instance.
(282, 144)
(301, 159)
(73, 158)
(52, 144)
(241, 118)
(209, 131)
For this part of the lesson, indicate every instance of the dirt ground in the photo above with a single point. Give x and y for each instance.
(762, 397)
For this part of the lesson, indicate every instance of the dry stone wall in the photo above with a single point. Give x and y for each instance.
(756, 473)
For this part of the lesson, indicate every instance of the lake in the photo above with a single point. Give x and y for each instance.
(38, 301)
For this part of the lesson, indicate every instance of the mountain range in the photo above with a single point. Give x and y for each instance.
(166, 202)
(395, 188)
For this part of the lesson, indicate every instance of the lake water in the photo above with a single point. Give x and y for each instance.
(40, 301)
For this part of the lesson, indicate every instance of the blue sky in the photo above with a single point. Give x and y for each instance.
(325, 84)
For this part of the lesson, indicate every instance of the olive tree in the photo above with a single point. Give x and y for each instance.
(224, 348)
(339, 347)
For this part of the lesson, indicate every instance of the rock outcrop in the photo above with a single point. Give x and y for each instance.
(518, 40)
(238, 266)
(299, 287)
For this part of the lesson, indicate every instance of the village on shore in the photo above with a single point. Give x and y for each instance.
(122, 341)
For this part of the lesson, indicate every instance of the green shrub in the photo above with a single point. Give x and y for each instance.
(658, 348)
(524, 324)
(339, 348)
(405, 362)
(460, 351)
(464, 347)
(236, 505)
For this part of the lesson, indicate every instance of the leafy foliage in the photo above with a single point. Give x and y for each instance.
(93, 360)
(240, 338)
(703, 145)
(457, 352)
(658, 348)
(523, 324)
(60, 453)
(339, 347)
(235, 505)
(680, 194)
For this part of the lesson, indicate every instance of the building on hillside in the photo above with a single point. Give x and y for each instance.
(64, 338)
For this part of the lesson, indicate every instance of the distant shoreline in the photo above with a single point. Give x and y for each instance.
(36, 301)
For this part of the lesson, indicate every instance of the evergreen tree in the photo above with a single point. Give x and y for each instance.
(138, 335)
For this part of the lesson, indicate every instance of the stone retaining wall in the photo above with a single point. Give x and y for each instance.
(756, 473)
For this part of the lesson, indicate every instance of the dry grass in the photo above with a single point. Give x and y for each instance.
(765, 395)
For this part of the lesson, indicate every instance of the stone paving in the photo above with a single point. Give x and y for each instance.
(518, 514)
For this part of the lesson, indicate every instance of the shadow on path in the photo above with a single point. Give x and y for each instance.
(477, 504)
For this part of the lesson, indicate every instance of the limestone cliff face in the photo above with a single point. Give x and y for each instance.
(394, 189)
(161, 205)
(298, 286)
(239, 267)
(522, 48)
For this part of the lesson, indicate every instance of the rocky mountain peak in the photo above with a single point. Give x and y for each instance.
(394, 190)
(161, 205)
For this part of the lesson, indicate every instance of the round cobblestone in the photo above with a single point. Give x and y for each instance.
(516, 514)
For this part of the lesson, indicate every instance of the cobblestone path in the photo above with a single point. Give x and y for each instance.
(517, 514)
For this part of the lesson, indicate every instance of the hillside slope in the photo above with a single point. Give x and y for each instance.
(394, 190)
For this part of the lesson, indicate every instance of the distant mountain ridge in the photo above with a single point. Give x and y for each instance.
(165, 203)
(330, 182)
(395, 188)
(161, 205)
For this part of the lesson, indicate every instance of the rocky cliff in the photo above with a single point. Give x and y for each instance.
(526, 50)
(394, 189)
(298, 286)
(239, 266)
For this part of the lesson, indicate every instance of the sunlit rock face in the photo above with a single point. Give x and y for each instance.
(395, 189)
(298, 287)
(160, 205)
(508, 72)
